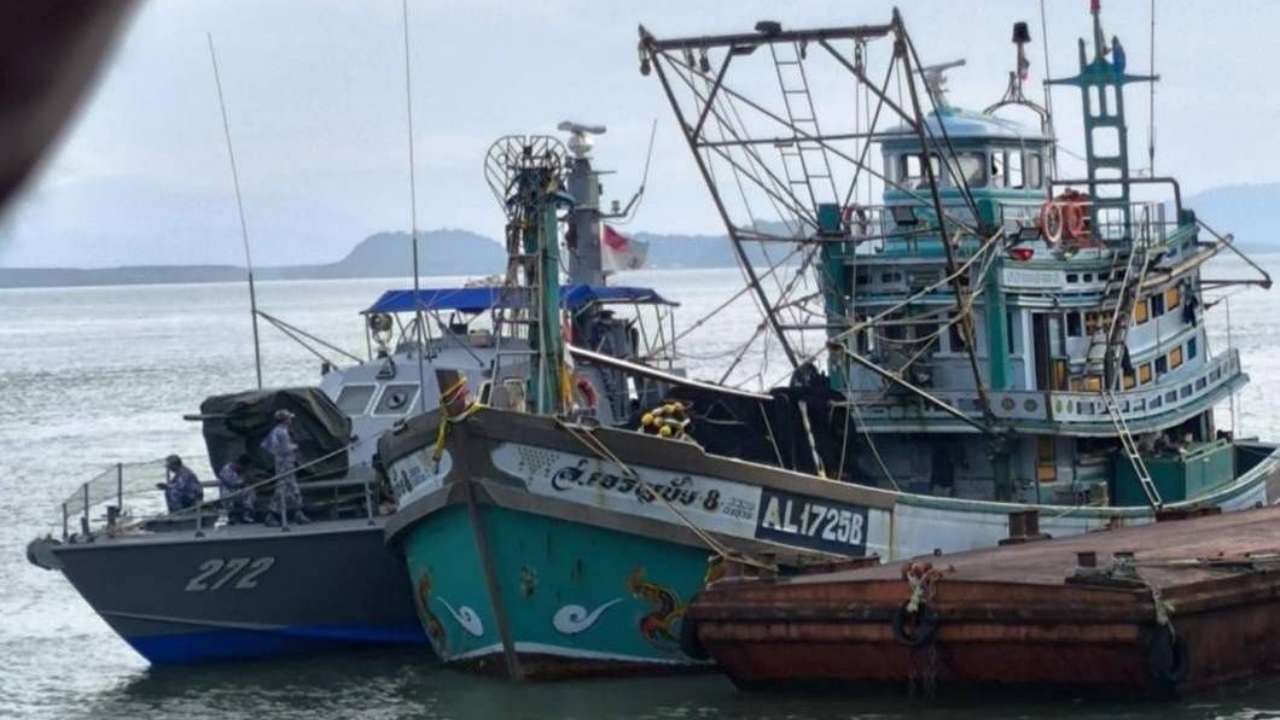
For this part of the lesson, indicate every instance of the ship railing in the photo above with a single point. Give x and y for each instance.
(142, 485)
(1058, 406)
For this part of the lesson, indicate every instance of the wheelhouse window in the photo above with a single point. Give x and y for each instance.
(1140, 311)
(911, 173)
(1191, 348)
(1162, 365)
(396, 399)
(1034, 171)
(1157, 305)
(972, 167)
(1014, 168)
(1175, 357)
(354, 399)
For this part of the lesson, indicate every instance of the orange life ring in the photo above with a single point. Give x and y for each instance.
(1052, 221)
(1073, 220)
(585, 389)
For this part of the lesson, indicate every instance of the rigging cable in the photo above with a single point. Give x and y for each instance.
(1151, 95)
(1048, 96)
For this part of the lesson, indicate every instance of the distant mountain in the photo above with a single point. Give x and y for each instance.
(1245, 211)
(441, 252)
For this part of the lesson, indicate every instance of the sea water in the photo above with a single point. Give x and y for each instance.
(94, 376)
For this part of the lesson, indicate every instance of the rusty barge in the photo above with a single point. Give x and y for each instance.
(1159, 610)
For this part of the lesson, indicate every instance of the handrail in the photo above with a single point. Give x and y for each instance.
(196, 511)
(1177, 189)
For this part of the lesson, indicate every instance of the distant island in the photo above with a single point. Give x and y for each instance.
(440, 252)
(1240, 210)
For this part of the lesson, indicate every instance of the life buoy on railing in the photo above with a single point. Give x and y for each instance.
(1063, 218)
(585, 390)
(1051, 222)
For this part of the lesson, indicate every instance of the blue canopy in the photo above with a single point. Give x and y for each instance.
(479, 299)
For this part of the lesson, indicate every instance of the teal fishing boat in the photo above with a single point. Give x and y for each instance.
(984, 348)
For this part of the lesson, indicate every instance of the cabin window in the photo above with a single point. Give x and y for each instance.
(1073, 278)
(1092, 322)
(1144, 373)
(1035, 171)
(1191, 348)
(913, 173)
(1157, 305)
(1171, 298)
(1175, 357)
(396, 400)
(998, 178)
(1129, 381)
(1014, 168)
(972, 166)
(1088, 277)
(1162, 365)
(354, 399)
(1140, 312)
(1073, 324)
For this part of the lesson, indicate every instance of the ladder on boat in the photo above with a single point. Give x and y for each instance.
(1107, 342)
(804, 160)
(1130, 447)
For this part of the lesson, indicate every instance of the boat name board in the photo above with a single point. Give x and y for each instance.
(417, 474)
(813, 523)
(707, 503)
(1021, 277)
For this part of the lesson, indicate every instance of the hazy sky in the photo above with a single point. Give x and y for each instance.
(316, 96)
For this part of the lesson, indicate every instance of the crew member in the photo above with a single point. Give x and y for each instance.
(181, 486)
(286, 499)
(236, 501)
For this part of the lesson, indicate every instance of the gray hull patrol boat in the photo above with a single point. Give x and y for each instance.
(188, 586)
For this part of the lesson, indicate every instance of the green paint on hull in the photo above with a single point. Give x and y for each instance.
(588, 595)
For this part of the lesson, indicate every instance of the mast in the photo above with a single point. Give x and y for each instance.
(585, 262)
(526, 174)
(1101, 82)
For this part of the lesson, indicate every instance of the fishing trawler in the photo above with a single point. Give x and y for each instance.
(998, 350)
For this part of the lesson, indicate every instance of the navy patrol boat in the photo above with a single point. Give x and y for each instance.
(983, 348)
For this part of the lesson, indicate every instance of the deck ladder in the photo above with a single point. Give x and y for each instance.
(1131, 451)
(1106, 349)
(804, 160)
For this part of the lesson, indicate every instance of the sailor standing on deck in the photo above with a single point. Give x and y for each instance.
(181, 487)
(287, 498)
(236, 501)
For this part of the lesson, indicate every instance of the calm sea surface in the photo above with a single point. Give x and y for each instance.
(94, 376)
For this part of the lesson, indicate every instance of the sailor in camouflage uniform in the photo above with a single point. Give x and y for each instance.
(182, 488)
(283, 449)
(237, 501)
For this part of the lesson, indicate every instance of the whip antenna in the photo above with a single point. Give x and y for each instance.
(413, 218)
(244, 228)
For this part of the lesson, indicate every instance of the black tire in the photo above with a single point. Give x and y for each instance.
(1169, 658)
(690, 643)
(917, 633)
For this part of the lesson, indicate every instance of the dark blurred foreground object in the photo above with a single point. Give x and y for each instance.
(50, 51)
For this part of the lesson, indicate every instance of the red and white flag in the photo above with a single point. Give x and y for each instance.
(620, 252)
